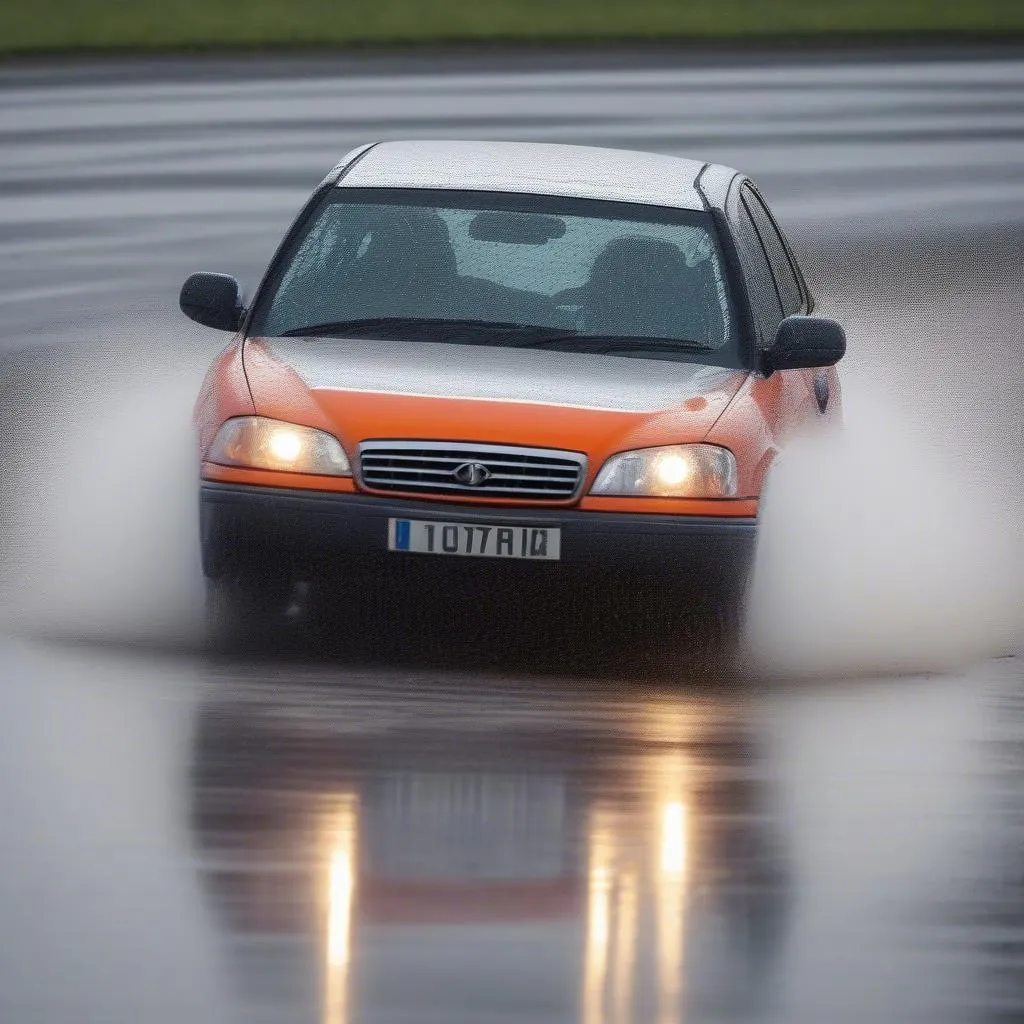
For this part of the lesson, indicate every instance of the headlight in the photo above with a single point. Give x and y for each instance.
(677, 471)
(259, 443)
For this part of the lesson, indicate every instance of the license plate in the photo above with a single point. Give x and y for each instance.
(542, 543)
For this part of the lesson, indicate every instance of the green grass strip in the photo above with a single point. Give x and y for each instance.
(38, 26)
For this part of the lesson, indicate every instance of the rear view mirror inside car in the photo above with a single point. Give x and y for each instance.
(514, 228)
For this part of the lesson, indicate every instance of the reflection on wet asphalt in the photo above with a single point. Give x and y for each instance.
(207, 841)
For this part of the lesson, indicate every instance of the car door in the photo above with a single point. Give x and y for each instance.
(792, 293)
(783, 397)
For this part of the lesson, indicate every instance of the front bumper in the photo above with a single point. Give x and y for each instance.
(263, 529)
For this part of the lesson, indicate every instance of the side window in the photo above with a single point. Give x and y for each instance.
(764, 296)
(790, 296)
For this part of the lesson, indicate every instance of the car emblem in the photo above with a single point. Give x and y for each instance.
(472, 474)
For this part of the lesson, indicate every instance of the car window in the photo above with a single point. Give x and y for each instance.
(566, 262)
(790, 295)
(581, 266)
(764, 296)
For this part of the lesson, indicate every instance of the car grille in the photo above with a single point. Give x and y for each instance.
(430, 467)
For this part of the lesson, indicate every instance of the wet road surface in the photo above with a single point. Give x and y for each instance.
(502, 839)
(197, 841)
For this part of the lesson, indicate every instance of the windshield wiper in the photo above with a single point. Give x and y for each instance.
(414, 323)
(516, 335)
(606, 343)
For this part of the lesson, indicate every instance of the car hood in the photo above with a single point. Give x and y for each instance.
(361, 389)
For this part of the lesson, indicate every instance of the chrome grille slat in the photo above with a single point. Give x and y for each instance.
(426, 467)
(469, 492)
(467, 456)
(385, 473)
(526, 476)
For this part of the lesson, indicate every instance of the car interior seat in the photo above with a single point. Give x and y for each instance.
(407, 268)
(644, 287)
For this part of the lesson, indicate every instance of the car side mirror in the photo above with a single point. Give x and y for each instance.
(803, 342)
(212, 300)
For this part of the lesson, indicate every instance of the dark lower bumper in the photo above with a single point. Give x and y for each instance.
(257, 528)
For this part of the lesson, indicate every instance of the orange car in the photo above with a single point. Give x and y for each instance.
(550, 355)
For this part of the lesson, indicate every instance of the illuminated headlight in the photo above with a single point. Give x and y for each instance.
(677, 471)
(259, 443)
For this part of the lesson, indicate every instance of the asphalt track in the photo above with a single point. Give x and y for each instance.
(400, 839)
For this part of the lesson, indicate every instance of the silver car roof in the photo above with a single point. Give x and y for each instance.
(540, 168)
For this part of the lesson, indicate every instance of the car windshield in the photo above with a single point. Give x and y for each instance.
(504, 269)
